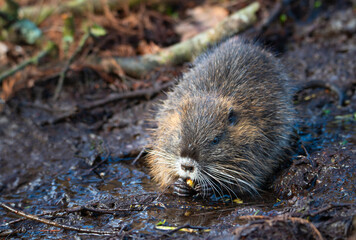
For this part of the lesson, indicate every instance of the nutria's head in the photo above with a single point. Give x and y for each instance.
(215, 141)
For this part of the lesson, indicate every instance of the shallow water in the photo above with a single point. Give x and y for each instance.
(118, 183)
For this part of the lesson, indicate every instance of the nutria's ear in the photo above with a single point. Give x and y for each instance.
(233, 118)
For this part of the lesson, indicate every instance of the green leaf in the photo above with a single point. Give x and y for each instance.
(190, 230)
(283, 18)
(68, 32)
(160, 223)
(68, 29)
(317, 4)
(97, 31)
(326, 111)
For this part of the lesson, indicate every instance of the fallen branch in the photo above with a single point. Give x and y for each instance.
(185, 51)
(34, 60)
(52, 223)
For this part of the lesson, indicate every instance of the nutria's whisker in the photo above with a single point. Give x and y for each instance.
(221, 182)
(222, 177)
(212, 184)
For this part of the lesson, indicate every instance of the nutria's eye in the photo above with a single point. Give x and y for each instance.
(216, 140)
(233, 119)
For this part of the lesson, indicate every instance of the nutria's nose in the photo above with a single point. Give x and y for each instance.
(187, 168)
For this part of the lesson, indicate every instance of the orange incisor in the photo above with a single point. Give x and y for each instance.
(190, 182)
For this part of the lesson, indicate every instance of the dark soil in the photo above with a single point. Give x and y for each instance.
(84, 164)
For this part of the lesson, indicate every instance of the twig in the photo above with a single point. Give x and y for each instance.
(50, 213)
(332, 205)
(78, 209)
(312, 163)
(63, 73)
(111, 98)
(52, 223)
(138, 156)
(34, 60)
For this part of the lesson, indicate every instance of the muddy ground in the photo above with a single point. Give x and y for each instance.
(84, 164)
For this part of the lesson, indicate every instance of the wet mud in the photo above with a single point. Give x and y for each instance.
(85, 167)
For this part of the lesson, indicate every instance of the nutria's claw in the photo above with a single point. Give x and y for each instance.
(203, 190)
(181, 188)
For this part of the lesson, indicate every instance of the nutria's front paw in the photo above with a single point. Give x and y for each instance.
(182, 189)
(204, 190)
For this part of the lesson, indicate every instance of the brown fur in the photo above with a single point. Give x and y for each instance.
(238, 95)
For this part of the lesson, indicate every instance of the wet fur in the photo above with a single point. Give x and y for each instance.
(239, 94)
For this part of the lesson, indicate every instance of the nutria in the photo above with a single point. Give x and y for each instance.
(226, 126)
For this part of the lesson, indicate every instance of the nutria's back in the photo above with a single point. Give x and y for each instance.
(226, 125)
